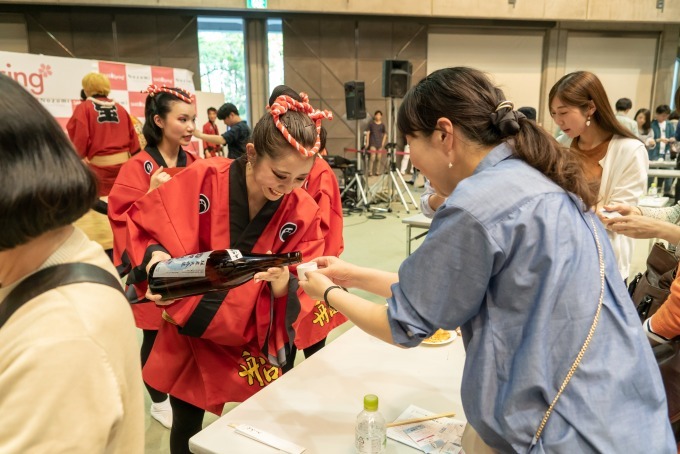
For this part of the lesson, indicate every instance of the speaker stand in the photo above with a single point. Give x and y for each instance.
(357, 181)
(390, 181)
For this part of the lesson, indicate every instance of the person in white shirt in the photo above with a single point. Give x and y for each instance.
(430, 200)
(613, 157)
(623, 106)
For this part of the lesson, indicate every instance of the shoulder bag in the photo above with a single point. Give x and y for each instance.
(51, 278)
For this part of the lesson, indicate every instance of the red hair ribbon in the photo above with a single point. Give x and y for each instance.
(155, 89)
(283, 104)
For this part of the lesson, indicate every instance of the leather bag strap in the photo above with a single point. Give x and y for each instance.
(52, 277)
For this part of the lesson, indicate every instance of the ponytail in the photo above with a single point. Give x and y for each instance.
(542, 152)
(159, 102)
(152, 133)
(468, 98)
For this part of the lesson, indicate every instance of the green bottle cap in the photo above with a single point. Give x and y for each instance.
(371, 402)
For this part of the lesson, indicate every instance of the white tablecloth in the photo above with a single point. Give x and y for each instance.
(316, 404)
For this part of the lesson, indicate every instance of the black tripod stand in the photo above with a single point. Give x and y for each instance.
(358, 181)
(385, 187)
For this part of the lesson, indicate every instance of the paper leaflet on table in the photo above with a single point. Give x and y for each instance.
(438, 436)
(268, 439)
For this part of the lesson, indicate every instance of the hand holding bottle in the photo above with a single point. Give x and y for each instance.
(278, 276)
(214, 271)
(157, 256)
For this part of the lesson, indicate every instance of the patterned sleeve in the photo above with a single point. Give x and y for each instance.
(668, 214)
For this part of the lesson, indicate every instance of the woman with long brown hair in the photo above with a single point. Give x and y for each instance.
(614, 159)
(556, 359)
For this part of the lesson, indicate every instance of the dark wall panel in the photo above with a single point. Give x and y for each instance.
(144, 37)
(322, 54)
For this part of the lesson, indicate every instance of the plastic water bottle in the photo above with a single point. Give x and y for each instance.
(370, 432)
(652, 190)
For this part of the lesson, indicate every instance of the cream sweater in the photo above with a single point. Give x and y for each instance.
(70, 379)
(624, 180)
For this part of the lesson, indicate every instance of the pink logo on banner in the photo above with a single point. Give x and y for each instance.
(162, 76)
(116, 74)
(34, 81)
(137, 101)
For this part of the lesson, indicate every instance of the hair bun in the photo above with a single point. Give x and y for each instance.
(506, 120)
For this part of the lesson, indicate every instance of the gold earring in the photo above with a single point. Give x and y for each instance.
(450, 165)
(588, 121)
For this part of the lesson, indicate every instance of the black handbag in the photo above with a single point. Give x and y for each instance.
(649, 291)
(51, 278)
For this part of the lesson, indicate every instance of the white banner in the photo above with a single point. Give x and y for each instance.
(56, 81)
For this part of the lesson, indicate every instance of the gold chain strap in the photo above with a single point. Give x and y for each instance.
(579, 357)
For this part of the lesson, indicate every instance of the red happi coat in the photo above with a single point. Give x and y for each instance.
(100, 127)
(131, 185)
(211, 128)
(222, 349)
(322, 185)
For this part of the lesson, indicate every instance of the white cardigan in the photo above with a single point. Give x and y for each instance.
(624, 180)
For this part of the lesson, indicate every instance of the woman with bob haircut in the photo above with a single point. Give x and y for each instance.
(556, 358)
(615, 160)
(70, 379)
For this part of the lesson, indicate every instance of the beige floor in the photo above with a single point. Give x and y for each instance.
(376, 243)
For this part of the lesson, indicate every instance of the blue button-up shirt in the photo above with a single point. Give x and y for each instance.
(512, 259)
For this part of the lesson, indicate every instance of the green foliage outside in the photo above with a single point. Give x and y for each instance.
(222, 66)
(275, 49)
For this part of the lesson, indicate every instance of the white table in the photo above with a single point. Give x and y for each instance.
(419, 221)
(315, 405)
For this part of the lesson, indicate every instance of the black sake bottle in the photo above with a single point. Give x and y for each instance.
(212, 271)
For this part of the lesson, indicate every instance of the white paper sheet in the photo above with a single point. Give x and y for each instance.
(436, 436)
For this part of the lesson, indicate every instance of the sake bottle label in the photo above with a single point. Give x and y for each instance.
(187, 266)
(234, 254)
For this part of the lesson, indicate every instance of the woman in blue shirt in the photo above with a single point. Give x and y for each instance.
(519, 261)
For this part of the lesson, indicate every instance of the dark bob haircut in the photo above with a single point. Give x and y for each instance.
(45, 185)
(225, 110)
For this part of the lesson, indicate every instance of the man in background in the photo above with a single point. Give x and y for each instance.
(623, 106)
(237, 134)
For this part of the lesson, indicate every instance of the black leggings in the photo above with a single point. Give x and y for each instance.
(187, 421)
(147, 344)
